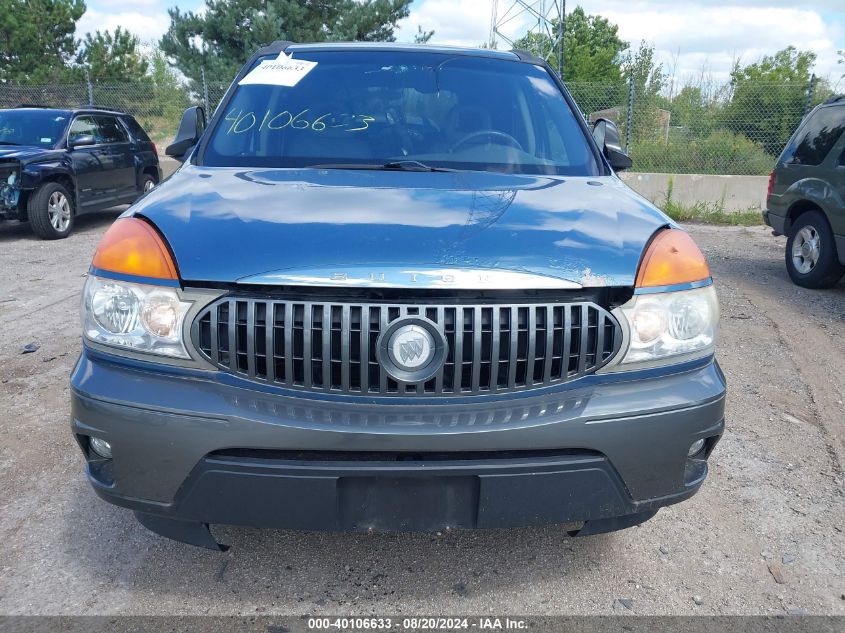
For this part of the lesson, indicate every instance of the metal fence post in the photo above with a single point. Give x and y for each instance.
(811, 92)
(204, 91)
(630, 122)
(561, 47)
(90, 88)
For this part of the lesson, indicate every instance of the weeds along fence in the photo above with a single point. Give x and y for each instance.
(734, 130)
(738, 130)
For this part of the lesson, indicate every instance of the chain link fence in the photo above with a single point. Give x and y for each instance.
(732, 130)
(736, 129)
(157, 108)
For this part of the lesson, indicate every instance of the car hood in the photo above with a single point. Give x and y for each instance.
(24, 153)
(275, 225)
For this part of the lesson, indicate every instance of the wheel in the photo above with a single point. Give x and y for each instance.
(50, 211)
(811, 258)
(147, 183)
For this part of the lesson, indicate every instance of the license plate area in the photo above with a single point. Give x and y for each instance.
(408, 503)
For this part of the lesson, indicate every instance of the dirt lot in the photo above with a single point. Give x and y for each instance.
(765, 534)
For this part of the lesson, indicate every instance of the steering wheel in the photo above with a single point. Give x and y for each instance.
(474, 137)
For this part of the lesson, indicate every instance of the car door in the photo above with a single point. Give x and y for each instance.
(122, 176)
(89, 161)
(835, 167)
(815, 156)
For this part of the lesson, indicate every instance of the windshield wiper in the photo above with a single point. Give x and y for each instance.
(413, 165)
(8, 143)
(398, 165)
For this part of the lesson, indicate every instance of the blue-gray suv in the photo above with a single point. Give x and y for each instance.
(396, 288)
(57, 164)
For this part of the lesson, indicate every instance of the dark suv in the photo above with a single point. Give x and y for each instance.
(396, 288)
(57, 164)
(806, 200)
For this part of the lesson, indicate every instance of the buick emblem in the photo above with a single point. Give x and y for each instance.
(414, 348)
(411, 349)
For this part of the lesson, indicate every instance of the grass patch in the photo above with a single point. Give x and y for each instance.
(708, 212)
(712, 213)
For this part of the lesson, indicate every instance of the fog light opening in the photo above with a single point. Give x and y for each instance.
(100, 447)
(696, 447)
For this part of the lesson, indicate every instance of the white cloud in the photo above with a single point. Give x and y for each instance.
(148, 26)
(694, 35)
(456, 22)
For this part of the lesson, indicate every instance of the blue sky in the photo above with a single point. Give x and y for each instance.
(691, 36)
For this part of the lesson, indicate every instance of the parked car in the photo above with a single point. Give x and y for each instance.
(396, 288)
(58, 164)
(806, 200)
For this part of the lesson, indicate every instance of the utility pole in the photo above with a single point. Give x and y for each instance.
(548, 21)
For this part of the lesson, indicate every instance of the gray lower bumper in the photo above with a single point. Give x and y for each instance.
(777, 222)
(188, 446)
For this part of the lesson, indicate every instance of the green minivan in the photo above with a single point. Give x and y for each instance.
(806, 198)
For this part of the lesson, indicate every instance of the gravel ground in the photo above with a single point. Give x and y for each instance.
(764, 536)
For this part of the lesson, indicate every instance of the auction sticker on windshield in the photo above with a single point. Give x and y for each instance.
(283, 71)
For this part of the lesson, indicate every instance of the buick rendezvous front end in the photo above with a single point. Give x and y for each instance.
(396, 288)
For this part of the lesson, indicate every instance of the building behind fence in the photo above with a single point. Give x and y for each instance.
(736, 130)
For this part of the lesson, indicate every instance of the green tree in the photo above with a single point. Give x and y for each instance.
(161, 114)
(592, 49)
(648, 79)
(223, 36)
(769, 97)
(422, 37)
(647, 75)
(112, 57)
(692, 111)
(37, 41)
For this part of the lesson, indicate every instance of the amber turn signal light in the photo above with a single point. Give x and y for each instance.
(132, 247)
(672, 258)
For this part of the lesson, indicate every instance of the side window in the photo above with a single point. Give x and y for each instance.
(818, 137)
(112, 130)
(136, 129)
(84, 126)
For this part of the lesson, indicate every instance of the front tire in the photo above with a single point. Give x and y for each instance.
(50, 211)
(147, 183)
(811, 258)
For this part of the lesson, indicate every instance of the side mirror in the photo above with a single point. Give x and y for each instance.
(82, 141)
(606, 135)
(188, 135)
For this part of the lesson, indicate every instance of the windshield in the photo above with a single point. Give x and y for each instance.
(41, 128)
(371, 108)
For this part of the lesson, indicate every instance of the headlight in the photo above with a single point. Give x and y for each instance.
(134, 316)
(670, 327)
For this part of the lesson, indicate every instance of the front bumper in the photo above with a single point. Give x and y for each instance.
(192, 448)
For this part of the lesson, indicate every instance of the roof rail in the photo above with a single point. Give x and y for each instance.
(32, 105)
(526, 56)
(98, 107)
(276, 47)
(835, 99)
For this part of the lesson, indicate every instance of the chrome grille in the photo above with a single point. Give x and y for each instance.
(331, 346)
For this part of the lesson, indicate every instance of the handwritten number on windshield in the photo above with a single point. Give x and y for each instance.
(242, 122)
(366, 120)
